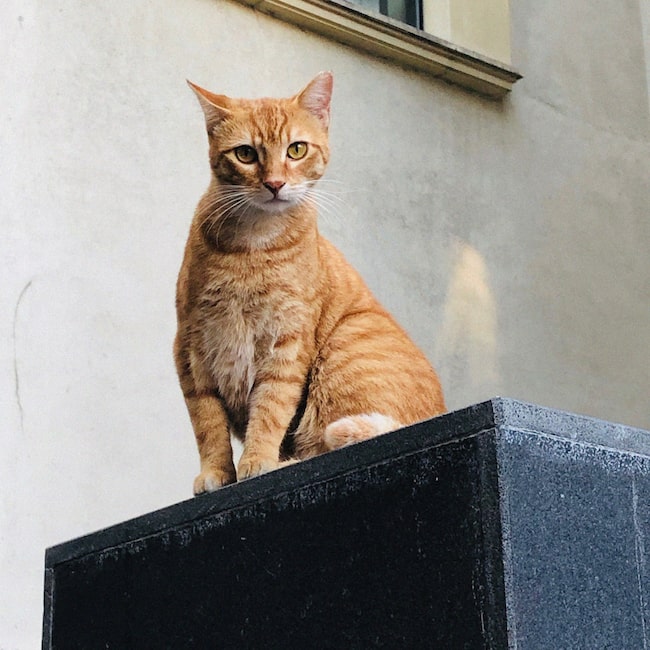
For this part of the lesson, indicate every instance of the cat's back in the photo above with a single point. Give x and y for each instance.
(345, 292)
(361, 345)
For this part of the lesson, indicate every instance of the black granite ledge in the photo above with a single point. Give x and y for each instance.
(467, 422)
(502, 525)
(470, 421)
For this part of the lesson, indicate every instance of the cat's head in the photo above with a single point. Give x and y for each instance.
(266, 154)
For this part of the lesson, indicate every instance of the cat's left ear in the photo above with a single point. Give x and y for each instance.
(316, 95)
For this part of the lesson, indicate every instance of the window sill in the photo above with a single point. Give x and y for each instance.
(371, 32)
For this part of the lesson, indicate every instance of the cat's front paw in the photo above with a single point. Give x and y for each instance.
(211, 480)
(254, 466)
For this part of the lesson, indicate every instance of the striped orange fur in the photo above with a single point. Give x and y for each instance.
(280, 343)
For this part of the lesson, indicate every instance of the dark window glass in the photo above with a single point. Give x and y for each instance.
(406, 11)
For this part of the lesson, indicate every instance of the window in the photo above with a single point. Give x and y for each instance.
(406, 11)
(466, 42)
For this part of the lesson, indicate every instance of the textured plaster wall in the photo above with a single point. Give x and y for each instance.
(510, 238)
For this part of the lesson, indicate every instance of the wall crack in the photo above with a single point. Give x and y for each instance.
(19, 403)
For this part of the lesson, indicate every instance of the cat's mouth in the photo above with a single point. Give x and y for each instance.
(275, 205)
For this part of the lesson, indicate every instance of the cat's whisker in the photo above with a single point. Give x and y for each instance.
(226, 202)
(340, 187)
(248, 206)
(324, 195)
(228, 206)
(331, 215)
(329, 204)
(226, 192)
(240, 211)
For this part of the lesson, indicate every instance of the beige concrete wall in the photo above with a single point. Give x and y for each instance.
(510, 238)
(482, 26)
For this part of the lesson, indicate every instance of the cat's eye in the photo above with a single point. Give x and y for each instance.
(246, 154)
(297, 150)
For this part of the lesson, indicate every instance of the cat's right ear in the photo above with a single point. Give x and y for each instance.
(215, 107)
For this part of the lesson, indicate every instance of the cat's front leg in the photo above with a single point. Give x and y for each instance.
(208, 417)
(273, 405)
(210, 424)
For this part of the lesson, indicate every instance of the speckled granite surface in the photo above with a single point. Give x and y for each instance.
(504, 525)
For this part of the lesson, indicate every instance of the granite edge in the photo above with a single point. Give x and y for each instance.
(496, 413)
(525, 416)
(415, 438)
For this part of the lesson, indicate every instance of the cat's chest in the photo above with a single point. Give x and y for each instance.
(237, 335)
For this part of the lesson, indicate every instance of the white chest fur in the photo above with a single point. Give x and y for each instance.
(228, 346)
(238, 334)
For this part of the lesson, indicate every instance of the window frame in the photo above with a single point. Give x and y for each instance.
(374, 33)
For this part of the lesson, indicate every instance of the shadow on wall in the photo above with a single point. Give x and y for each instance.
(466, 345)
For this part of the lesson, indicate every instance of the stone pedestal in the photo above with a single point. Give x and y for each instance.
(504, 525)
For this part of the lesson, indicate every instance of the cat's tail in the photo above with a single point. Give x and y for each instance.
(356, 428)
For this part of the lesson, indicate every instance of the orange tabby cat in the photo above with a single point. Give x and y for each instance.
(280, 343)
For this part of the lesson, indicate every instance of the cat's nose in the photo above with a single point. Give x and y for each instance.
(274, 186)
